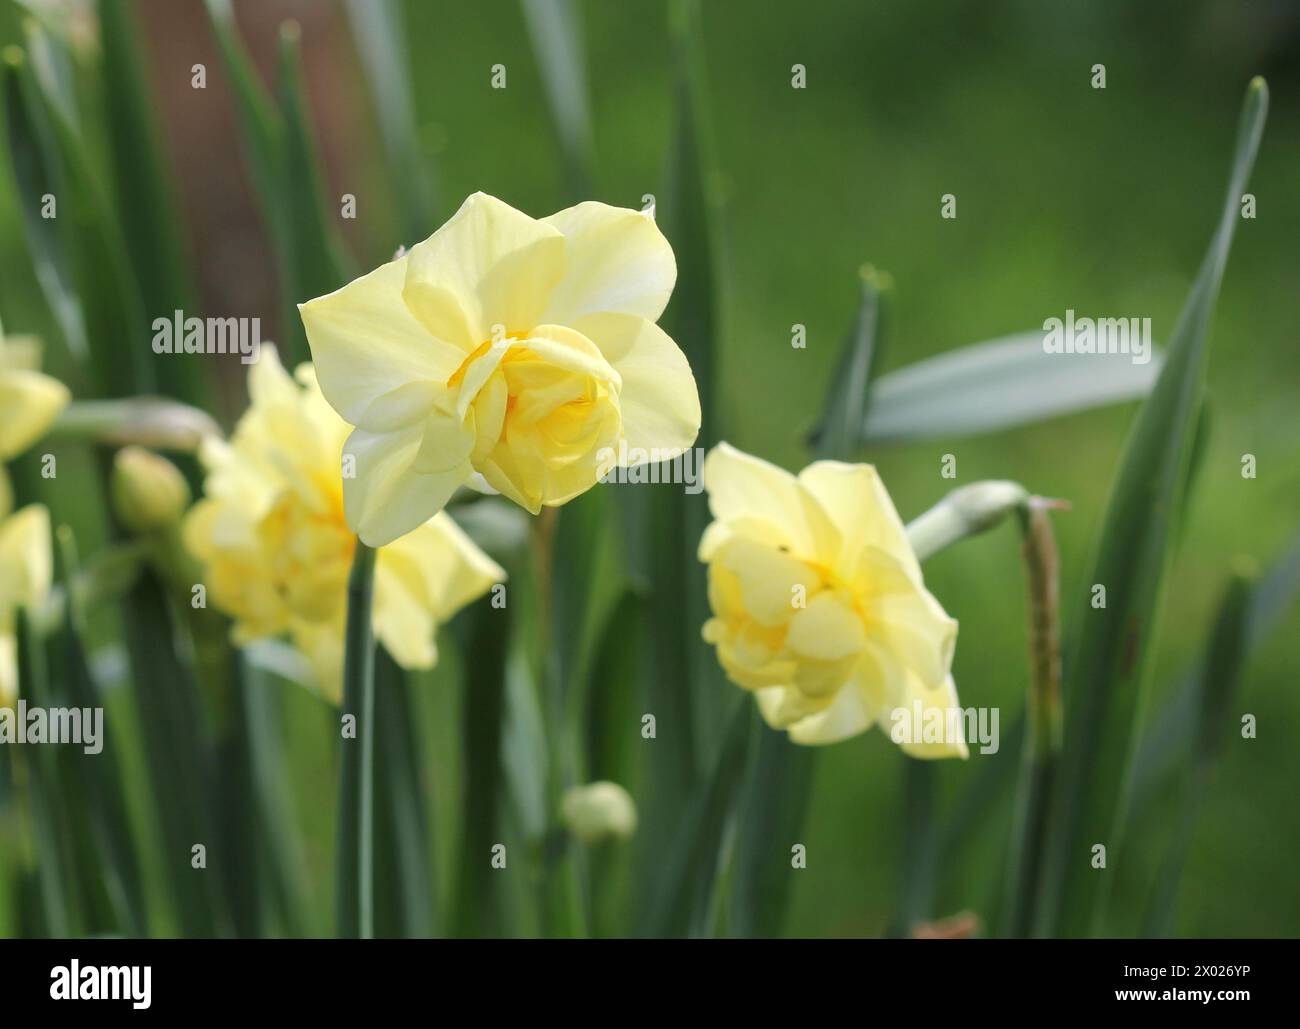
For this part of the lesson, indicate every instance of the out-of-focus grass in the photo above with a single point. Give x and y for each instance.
(1068, 197)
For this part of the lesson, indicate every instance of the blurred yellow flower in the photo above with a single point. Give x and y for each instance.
(508, 351)
(26, 568)
(277, 550)
(818, 603)
(29, 400)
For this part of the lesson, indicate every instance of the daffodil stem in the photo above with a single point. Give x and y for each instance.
(1043, 717)
(968, 511)
(357, 765)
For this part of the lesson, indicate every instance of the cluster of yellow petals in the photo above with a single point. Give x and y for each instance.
(276, 548)
(818, 603)
(514, 354)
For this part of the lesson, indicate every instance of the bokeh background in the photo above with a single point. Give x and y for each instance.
(1068, 197)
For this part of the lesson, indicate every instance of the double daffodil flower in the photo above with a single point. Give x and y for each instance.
(507, 352)
(818, 603)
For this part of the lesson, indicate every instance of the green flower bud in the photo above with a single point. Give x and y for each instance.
(149, 493)
(599, 811)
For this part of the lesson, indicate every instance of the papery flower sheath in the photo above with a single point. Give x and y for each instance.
(276, 549)
(818, 603)
(26, 571)
(508, 351)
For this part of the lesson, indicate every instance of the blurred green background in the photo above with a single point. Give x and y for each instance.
(1068, 197)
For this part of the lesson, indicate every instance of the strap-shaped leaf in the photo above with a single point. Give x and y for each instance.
(1106, 677)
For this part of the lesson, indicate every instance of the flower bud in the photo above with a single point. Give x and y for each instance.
(599, 811)
(149, 492)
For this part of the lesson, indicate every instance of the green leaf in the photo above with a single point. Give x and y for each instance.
(684, 691)
(553, 27)
(316, 258)
(1217, 683)
(1163, 745)
(101, 784)
(143, 189)
(178, 755)
(1107, 681)
(55, 872)
(36, 175)
(85, 270)
(277, 824)
(403, 861)
(839, 435)
(377, 26)
(483, 632)
(354, 863)
(681, 902)
(282, 163)
(996, 385)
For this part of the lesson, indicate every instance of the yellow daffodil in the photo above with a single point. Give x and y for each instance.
(29, 400)
(504, 350)
(818, 603)
(277, 550)
(26, 568)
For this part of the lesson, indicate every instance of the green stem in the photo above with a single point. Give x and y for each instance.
(357, 764)
(1043, 719)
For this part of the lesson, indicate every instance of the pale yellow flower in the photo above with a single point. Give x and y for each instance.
(508, 351)
(818, 603)
(277, 550)
(26, 569)
(29, 400)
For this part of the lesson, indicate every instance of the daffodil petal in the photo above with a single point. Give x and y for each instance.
(861, 508)
(743, 486)
(365, 343)
(490, 265)
(619, 261)
(847, 716)
(26, 558)
(387, 497)
(659, 399)
(29, 403)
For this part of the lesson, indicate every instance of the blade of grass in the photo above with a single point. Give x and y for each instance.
(1108, 681)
